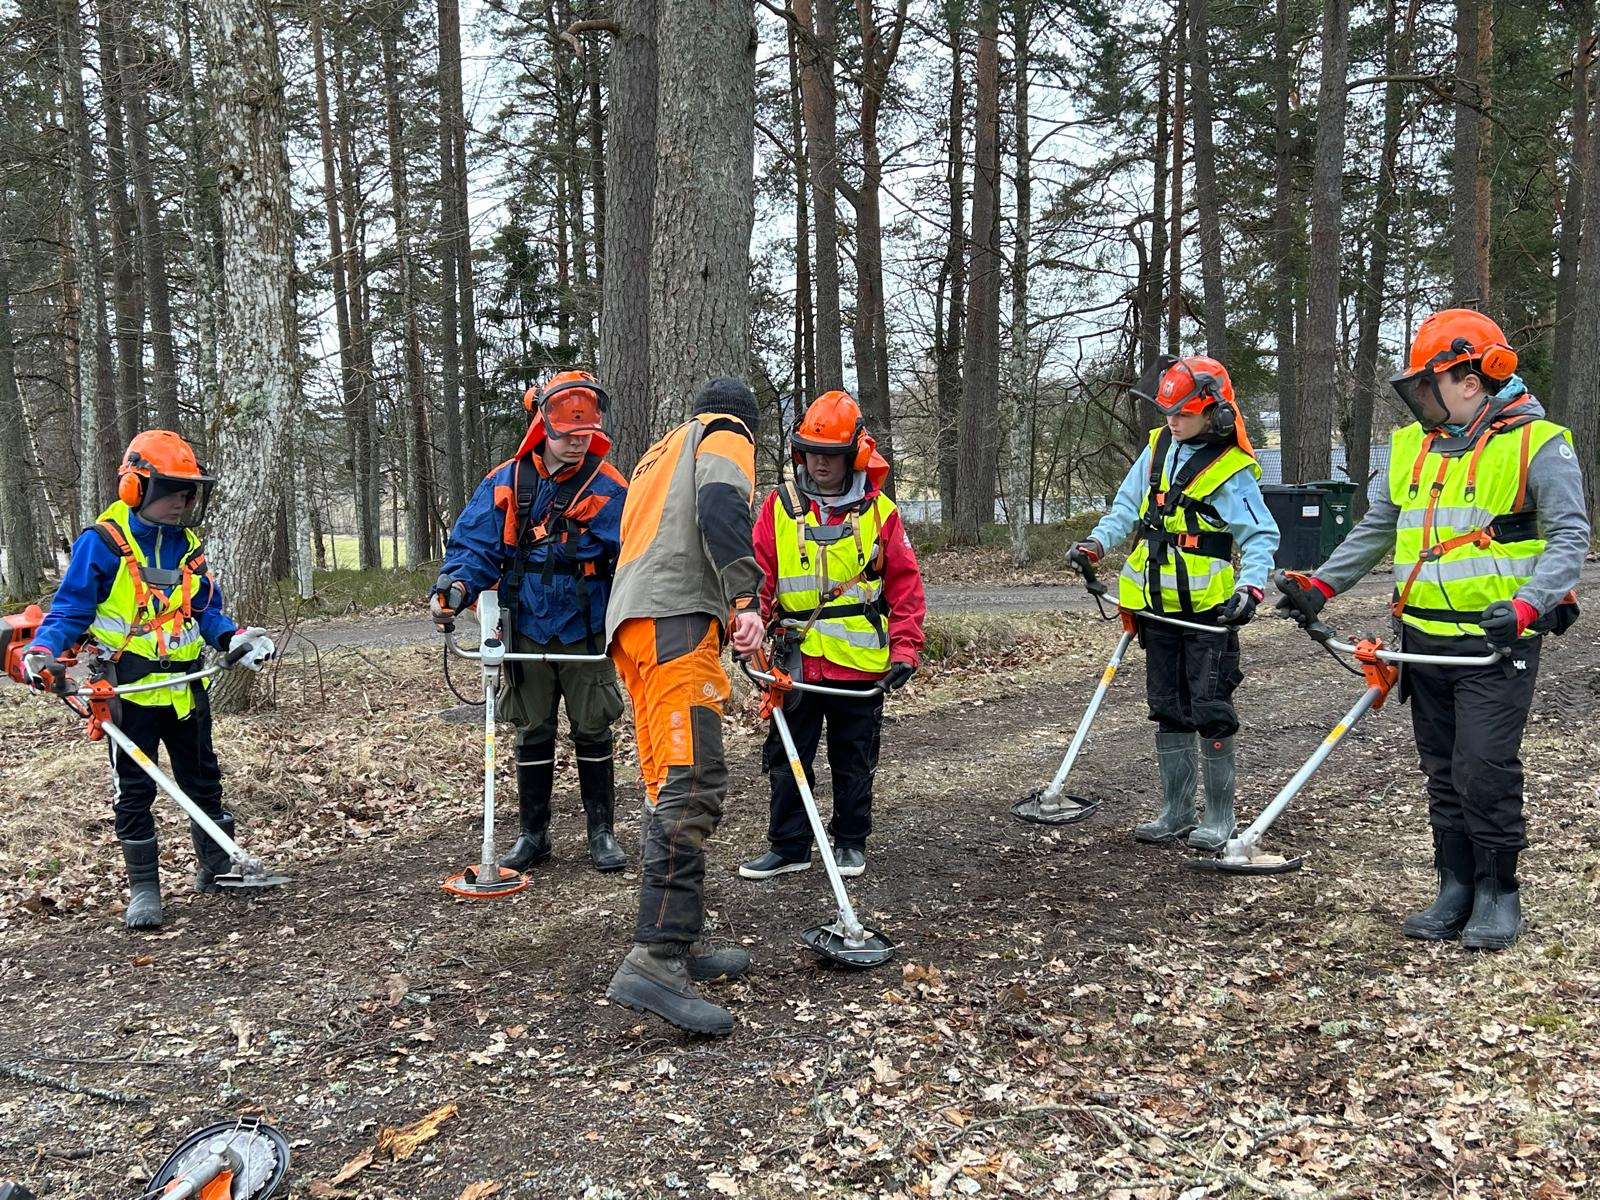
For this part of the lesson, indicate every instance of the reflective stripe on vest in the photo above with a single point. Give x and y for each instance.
(1189, 582)
(807, 569)
(1465, 577)
(159, 628)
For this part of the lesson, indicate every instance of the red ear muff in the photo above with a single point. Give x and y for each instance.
(1498, 362)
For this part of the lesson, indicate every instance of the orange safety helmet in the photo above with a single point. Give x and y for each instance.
(571, 403)
(1196, 384)
(833, 425)
(1447, 339)
(159, 463)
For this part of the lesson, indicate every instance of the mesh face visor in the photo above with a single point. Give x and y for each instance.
(1419, 390)
(196, 491)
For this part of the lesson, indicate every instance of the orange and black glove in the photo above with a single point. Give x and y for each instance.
(449, 597)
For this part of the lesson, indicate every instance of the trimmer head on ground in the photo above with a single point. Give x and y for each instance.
(1244, 856)
(232, 1160)
(476, 884)
(1036, 808)
(251, 878)
(831, 941)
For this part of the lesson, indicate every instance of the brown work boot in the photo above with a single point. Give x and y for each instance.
(654, 978)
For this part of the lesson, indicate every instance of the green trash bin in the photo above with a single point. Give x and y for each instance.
(1337, 495)
(1312, 519)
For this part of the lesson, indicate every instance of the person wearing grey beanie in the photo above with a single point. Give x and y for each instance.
(723, 394)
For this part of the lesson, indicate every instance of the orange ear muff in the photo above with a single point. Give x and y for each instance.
(865, 445)
(530, 398)
(1498, 362)
(130, 490)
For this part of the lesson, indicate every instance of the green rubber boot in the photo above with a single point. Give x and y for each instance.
(1216, 764)
(1178, 755)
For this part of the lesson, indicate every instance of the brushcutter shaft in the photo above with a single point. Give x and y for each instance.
(166, 783)
(488, 867)
(1053, 792)
(848, 920)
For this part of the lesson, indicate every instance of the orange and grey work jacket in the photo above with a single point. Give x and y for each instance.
(686, 545)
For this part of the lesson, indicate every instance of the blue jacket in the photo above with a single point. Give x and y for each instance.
(478, 553)
(1238, 501)
(93, 569)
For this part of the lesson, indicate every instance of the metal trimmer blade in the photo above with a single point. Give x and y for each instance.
(1035, 809)
(476, 884)
(833, 943)
(1244, 856)
(251, 881)
(255, 1153)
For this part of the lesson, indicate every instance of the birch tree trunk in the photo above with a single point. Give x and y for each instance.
(200, 210)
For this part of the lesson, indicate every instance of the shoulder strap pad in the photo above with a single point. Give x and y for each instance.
(796, 505)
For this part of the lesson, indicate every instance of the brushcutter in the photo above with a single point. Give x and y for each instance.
(1051, 805)
(242, 1159)
(1380, 667)
(487, 879)
(96, 699)
(844, 940)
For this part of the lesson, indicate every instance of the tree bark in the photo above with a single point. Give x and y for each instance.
(1285, 237)
(1583, 406)
(1572, 220)
(152, 240)
(453, 113)
(981, 365)
(127, 298)
(453, 218)
(24, 571)
(99, 439)
(593, 71)
(819, 46)
(420, 544)
(1150, 290)
(805, 337)
(951, 296)
(1021, 381)
(1208, 201)
(1313, 457)
(1180, 114)
(704, 201)
(200, 210)
(1467, 289)
(630, 208)
(258, 329)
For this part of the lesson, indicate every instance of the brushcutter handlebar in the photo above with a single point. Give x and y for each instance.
(1091, 581)
(492, 657)
(1431, 660)
(766, 681)
(1099, 591)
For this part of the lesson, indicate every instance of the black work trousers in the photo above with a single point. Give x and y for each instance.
(1468, 723)
(190, 760)
(1190, 677)
(854, 726)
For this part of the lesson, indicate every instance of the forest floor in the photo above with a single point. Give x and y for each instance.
(1069, 1012)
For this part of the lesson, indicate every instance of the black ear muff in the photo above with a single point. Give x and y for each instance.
(1223, 418)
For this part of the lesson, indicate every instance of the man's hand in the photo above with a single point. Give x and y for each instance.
(746, 632)
(1240, 607)
(1301, 602)
(1504, 622)
(250, 648)
(42, 670)
(448, 598)
(1086, 553)
(899, 675)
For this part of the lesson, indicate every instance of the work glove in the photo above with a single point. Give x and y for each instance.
(249, 648)
(1240, 607)
(43, 671)
(899, 675)
(449, 597)
(1504, 622)
(1086, 553)
(1301, 603)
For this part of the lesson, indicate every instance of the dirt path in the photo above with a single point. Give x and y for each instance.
(1069, 1011)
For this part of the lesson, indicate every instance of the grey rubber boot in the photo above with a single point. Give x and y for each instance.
(210, 859)
(654, 978)
(1216, 765)
(706, 964)
(1496, 919)
(144, 884)
(1178, 755)
(1444, 919)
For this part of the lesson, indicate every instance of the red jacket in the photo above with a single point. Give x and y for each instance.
(902, 588)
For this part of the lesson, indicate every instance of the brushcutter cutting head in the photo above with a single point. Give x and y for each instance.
(1038, 808)
(232, 1160)
(832, 942)
(477, 884)
(1244, 856)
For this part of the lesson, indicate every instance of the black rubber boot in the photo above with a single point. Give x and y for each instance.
(1178, 755)
(1442, 921)
(210, 859)
(654, 978)
(536, 779)
(1496, 919)
(706, 964)
(1216, 765)
(597, 783)
(144, 884)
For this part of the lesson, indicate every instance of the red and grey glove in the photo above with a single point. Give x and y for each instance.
(1505, 621)
(1240, 607)
(1305, 601)
(1086, 553)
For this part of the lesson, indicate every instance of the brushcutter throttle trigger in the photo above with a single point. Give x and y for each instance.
(1303, 607)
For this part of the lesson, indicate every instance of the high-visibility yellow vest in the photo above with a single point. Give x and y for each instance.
(137, 620)
(1466, 535)
(830, 581)
(1183, 561)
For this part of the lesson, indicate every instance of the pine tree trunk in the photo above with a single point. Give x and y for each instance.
(981, 364)
(1583, 405)
(1150, 290)
(1557, 403)
(453, 218)
(127, 299)
(24, 573)
(819, 45)
(163, 357)
(1314, 451)
(952, 284)
(1208, 200)
(593, 72)
(1286, 235)
(704, 199)
(258, 329)
(1180, 114)
(200, 210)
(420, 544)
(1020, 385)
(805, 338)
(476, 449)
(99, 439)
(1466, 291)
(630, 207)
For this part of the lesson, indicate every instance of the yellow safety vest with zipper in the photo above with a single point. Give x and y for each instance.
(1466, 535)
(145, 621)
(830, 583)
(1183, 560)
